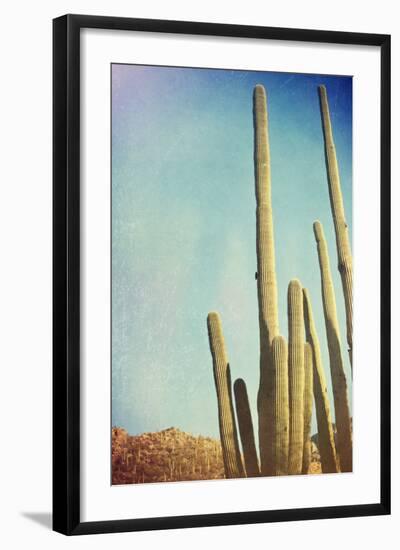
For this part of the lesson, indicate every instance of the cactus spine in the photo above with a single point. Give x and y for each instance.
(326, 439)
(308, 403)
(266, 277)
(227, 426)
(296, 376)
(280, 443)
(246, 428)
(345, 264)
(339, 383)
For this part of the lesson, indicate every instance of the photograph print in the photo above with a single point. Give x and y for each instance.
(232, 285)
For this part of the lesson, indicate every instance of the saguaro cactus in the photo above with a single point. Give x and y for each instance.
(339, 383)
(326, 439)
(345, 264)
(222, 377)
(308, 403)
(246, 428)
(280, 443)
(266, 277)
(296, 376)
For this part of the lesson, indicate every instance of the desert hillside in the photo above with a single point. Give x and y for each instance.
(171, 455)
(168, 455)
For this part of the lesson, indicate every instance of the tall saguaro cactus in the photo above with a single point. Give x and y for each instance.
(246, 428)
(326, 438)
(266, 276)
(308, 403)
(339, 383)
(345, 263)
(296, 376)
(222, 376)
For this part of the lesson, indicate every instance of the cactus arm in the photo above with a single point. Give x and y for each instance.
(326, 439)
(246, 428)
(308, 403)
(296, 376)
(279, 355)
(345, 264)
(339, 383)
(266, 276)
(227, 426)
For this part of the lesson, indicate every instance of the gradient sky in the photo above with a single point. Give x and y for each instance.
(184, 229)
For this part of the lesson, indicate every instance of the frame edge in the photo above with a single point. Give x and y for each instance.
(66, 265)
(66, 402)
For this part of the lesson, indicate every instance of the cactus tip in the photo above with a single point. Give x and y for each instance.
(259, 89)
(239, 382)
(318, 231)
(295, 284)
(278, 340)
(213, 317)
(212, 314)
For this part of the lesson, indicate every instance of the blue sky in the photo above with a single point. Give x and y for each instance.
(184, 229)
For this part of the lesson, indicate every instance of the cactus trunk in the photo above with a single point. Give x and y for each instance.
(246, 428)
(227, 426)
(266, 277)
(296, 377)
(326, 439)
(280, 443)
(345, 264)
(339, 383)
(308, 403)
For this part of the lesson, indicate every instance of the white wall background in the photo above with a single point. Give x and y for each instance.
(25, 289)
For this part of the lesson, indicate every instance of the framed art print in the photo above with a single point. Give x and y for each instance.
(221, 274)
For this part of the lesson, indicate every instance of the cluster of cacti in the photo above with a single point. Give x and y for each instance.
(292, 376)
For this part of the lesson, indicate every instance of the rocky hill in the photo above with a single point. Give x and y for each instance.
(171, 455)
(168, 455)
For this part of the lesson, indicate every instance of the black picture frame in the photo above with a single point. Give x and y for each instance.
(66, 273)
